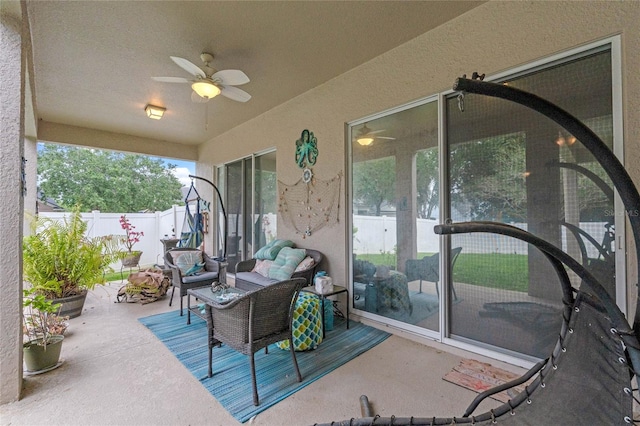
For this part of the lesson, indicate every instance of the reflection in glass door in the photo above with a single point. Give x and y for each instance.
(395, 204)
(503, 163)
(510, 164)
(260, 201)
(235, 209)
(249, 187)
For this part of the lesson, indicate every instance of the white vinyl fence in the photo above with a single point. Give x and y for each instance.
(377, 234)
(373, 235)
(156, 226)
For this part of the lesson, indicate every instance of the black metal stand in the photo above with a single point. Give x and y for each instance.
(224, 214)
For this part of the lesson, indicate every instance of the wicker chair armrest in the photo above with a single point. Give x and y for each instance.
(308, 273)
(176, 273)
(211, 264)
(245, 265)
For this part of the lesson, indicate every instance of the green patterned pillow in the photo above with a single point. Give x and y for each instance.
(286, 263)
(271, 250)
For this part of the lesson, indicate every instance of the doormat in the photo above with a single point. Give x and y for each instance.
(479, 377)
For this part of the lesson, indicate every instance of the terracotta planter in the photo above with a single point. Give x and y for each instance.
(71, 305)
(132, 260)
(37, 357)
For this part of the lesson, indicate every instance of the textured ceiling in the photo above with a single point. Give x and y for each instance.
(94, 60)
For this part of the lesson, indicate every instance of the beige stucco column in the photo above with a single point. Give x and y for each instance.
(406, 196)
(543, 201)
(12, 83)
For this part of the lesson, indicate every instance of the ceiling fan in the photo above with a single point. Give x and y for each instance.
(208, 83)
(366, 136)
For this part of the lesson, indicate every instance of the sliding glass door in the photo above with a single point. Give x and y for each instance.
(249, 187)
(395, 206)
(497, 161)
(512, 165)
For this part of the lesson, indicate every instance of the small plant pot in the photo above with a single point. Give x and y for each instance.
(132, 260)
(38, 357)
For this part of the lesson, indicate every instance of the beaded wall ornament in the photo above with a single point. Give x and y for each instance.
(309, 205)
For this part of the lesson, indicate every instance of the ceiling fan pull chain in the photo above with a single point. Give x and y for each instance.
(206, 117)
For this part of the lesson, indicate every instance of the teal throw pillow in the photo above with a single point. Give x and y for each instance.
(261, 252)
(286, 262)
(271, 250)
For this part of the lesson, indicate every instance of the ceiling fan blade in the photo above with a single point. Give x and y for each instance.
(171, 79)
(230, 77)
(188, 66)
(197, 98)
(385, 137)
(375, 132)
(235, 93)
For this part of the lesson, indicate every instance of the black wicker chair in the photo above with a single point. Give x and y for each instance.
(254, 321)
(214, 270)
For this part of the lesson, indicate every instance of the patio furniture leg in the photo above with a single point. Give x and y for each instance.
(295, 361)
(210, 352)
(172, 291)
(252, 362)
(188, 309)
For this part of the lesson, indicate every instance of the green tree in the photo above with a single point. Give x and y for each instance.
(105, 180)
(488, 177)
(374, 182)
(427, 182)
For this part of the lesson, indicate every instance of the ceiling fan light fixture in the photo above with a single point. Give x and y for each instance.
(365, 141)
(154, 112)
(205, 89)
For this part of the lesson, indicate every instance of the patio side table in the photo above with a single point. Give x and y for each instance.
(337, 289)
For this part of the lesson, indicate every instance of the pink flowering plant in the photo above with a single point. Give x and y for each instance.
(132, 236)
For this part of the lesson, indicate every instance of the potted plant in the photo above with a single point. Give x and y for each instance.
(131, 257)
(43, 330)
(61, 263)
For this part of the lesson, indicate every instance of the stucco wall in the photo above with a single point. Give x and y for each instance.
(491, 38)
(11, 151)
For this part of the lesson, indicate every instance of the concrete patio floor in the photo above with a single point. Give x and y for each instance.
(116, 372)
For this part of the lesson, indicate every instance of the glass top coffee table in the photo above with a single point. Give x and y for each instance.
(210, 297)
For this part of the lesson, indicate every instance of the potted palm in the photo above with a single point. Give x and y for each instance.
(131, 257)
(61, 263)
(43, 330)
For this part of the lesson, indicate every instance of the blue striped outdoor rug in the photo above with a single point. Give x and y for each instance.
(231, 381)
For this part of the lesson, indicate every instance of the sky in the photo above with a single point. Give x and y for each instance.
(183, 170)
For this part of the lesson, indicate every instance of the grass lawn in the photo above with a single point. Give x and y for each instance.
(115, 275)
(504, 271)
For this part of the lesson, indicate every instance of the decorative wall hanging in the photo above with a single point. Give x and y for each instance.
(306, 154)
(308, 206)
